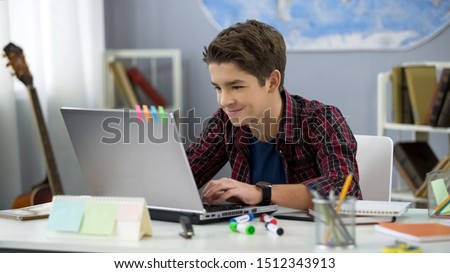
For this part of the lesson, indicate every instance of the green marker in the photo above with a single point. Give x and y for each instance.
(242, 227)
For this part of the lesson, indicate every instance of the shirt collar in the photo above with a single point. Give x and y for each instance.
(286, 129)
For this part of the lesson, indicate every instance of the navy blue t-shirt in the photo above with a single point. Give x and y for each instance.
(266, 163)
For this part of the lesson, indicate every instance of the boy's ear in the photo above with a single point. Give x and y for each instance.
(274, 80)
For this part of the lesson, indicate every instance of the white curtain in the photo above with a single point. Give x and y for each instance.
(63, 43)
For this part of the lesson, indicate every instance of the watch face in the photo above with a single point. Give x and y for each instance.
(263, 184)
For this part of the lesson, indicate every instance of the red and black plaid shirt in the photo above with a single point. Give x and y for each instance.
(314, 140)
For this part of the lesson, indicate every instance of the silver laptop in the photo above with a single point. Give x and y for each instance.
(122, 152)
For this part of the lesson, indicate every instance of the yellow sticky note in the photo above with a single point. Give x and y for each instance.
(99, 218)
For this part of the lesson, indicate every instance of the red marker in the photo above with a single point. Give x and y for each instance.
(266, 218)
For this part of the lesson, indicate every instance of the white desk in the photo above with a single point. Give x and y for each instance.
(298, 237)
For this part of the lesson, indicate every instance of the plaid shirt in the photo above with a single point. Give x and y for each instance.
(315, 142)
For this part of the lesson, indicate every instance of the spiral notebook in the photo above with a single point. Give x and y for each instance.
(378, 208)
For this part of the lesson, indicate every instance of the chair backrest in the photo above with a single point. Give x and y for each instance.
(374, 157)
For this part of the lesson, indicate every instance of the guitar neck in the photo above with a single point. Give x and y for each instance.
(50, 162)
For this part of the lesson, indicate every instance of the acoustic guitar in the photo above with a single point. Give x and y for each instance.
(51, 185)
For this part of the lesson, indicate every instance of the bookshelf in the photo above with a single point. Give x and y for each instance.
(154, 57)
(416, 132)
(419, 132)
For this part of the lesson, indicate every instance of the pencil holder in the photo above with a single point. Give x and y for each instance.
(438, 183)
(334, 223)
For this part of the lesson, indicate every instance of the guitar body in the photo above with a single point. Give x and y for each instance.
(41, 193)
(44, 191)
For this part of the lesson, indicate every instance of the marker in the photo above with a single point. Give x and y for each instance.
(243, 218)
(274, 228)
(242, 227)
(266, 218)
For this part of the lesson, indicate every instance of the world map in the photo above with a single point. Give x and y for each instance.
(339, 24)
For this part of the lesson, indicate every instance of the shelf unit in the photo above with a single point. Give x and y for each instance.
(153, 55)
(418, 132)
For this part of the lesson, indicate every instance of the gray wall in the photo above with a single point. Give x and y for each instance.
(344, 79)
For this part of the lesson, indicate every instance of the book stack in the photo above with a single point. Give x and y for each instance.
(132, 86)
(418, 97)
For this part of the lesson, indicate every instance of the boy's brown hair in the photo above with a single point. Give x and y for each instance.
(255, 47)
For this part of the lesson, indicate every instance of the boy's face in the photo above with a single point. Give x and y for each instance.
(239, 94)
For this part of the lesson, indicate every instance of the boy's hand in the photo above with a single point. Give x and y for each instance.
(226, 189)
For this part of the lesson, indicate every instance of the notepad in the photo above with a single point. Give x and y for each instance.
(378, 208)
(27, 213)
(425, 232)
(99, 217)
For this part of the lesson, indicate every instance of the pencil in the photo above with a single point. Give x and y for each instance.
(347, 183)
(442, 206)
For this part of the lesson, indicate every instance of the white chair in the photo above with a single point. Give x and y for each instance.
(374, 157)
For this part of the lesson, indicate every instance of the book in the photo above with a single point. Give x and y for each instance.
(419, 232)
(444, 115)
(123, 84)
(28, 213)
(401, 102)
(397, 96)
(139, 80)
(414, 160)
(439, 97)
(421, 82)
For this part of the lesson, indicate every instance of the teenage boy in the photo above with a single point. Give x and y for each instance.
(279, 145)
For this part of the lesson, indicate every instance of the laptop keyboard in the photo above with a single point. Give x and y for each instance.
(214, 208)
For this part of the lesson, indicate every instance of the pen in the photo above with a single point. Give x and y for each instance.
(295, 217)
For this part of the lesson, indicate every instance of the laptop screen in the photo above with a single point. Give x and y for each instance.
(125, 154)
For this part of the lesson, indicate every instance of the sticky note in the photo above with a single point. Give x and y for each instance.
(154, 113)
(162, 114)
(138, 112)
(99, 218)
(129, 212)
(66, 215)
(147, 115)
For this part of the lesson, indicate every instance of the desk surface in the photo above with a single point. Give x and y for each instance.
(298, 237)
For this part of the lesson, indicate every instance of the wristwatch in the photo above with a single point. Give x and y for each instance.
(266, 188)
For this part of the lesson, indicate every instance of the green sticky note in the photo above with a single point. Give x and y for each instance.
(66, 215)
(99, 218)
(440, 193)
(162, 113)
